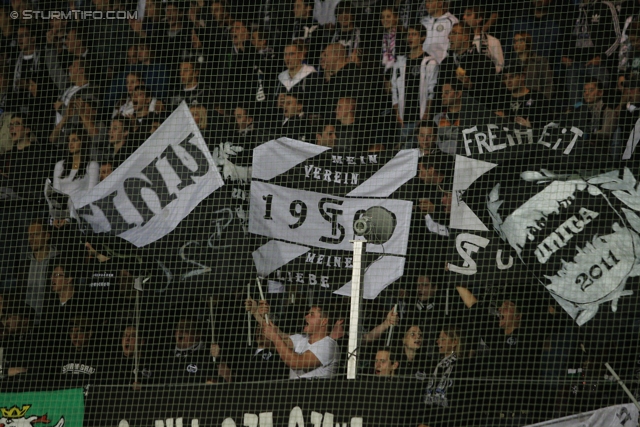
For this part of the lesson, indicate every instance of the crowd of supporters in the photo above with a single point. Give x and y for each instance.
(79, 96)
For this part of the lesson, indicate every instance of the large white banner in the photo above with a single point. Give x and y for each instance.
(148, 195)
(307, 198)
(613, 416)
(320, 220)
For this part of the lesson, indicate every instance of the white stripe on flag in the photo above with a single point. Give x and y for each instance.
(279, 155)
(390, 177)
(383, 272)
(274, 254)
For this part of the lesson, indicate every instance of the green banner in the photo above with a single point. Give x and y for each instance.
(53, 408)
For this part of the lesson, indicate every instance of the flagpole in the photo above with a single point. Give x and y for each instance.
(266, 316)
(213, 337)
(356, 298)
(136, 352)
(249, 316)
(395, 309)
(624, 387)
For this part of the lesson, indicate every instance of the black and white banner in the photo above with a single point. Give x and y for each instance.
(147, 196)
(612, 416)
(369, 402)
(306, 198)
(527, 206)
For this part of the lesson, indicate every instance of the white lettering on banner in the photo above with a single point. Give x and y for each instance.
(500, 264)
(78, 368)
(304, 278)
(574, 130)
(481, 140)
(156, 187)
(612, 416)
(348, 160)
(152, 180)
(596, 271)
(296, 418)
(318, 220)
(329, 260)
(476, 141)
(264, 419)
(559, 238)
(169, 422)
(338, 177)
(468, 244)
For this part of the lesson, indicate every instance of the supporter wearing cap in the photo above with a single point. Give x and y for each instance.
(591, 49)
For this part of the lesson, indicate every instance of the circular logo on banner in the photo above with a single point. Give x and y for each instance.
(440, 28)
(578, 237)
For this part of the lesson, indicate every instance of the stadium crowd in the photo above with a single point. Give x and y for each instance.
(79, 96)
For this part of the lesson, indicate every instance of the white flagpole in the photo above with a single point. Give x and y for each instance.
(213, 335)
(354, 315)
(266, 316)
(395, 308)
(136, 352)
(249, 316)
(624, 387)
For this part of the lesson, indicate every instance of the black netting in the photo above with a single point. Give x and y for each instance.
(325, 212)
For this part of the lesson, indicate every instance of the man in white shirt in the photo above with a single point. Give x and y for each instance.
(438, 23)
(301, 76)
(313, 354)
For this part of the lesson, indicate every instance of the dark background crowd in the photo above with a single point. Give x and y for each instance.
(78, 96)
